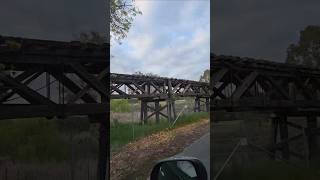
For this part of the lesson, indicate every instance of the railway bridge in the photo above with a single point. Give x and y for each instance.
(42, 78)
(153, 90)
(285, 90)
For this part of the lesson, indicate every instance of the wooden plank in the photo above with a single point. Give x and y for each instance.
(217, 76)
(89, 79)
(73, 87)
(24, 91)
(246, 84)
(10, 111)
(78, 95)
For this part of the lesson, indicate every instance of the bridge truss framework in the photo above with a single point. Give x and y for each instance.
(153, 90)
(246, 84)
(63, 63)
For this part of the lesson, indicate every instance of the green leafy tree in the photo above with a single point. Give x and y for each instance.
(146, 74)
(122, 15)
(91, 37)
(307, 50)
(205, 77)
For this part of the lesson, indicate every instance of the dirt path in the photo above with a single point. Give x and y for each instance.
(136, 159)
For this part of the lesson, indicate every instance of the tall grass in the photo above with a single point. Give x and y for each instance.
(31, 139)
(270, 170)
(123, 133)
(120, 105)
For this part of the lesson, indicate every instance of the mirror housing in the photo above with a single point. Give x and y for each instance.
(181, 168)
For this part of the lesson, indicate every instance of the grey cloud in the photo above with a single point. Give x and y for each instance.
(47, 19)
(259, 29)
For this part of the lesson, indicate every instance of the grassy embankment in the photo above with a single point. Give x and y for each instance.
(40, 139)
(123, 133)
(275, 170)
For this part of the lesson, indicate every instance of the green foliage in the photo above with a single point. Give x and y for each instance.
(307, 50)
(271, 170)
(122, 133)
(31, 139)
(91, 37)
(122, 14)
(146, 74)
(120, 105)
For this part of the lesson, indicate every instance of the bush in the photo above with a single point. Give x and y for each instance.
(31, 139)
(120, 105)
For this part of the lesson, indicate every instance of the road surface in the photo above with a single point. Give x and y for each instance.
(200, 149)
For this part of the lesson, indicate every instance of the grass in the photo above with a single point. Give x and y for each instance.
(27, 139)
(122, 133)
(120, 105)
(43, 140)
(271, 170)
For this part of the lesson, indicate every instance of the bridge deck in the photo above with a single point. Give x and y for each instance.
(23, 53)
(140, 86)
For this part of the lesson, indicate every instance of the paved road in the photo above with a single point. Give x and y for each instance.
(200, 149)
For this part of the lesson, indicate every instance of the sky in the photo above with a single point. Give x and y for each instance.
(171, 39)
(52, 19)
(259, 28)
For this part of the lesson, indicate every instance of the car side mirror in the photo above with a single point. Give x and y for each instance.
(182, 168)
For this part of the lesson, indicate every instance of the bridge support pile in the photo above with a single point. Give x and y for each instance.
(201, 105)
(282, 138)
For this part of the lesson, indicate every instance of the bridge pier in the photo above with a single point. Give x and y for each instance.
(207, 104)
(197, 104)
(147, 111)
(312, 139)
(280, 124)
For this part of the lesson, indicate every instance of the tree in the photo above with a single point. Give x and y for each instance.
(91, 37)
(307, 50)
(122, 14)
(146, 74)
(205, 77)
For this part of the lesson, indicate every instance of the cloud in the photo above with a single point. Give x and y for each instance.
(260, 29)
(173, 41)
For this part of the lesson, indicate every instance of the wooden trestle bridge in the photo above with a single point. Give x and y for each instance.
(74, 79)
(155, 89)
(284, 90)
(56, 64)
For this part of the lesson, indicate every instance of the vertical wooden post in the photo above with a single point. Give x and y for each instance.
(48, 85)
(197, 105)
(274, 136)
(157, 107)
(169, 110)
(103, 159)
(169, 101)
(312, 139)
(141, 111)
(145, 112)
(207, 105)
(284, 136)
(174, 110)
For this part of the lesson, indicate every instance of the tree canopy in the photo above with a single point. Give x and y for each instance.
(307, 50)
(205, 77)
(122, 13)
